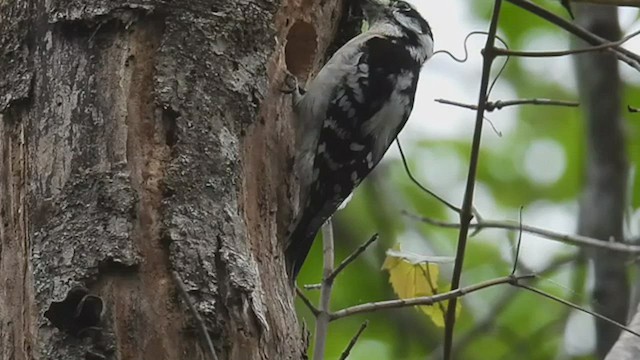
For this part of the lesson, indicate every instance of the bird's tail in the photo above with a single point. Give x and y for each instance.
(304, 231)
(299, 240)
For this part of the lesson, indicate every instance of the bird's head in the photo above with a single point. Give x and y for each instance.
(402, 20)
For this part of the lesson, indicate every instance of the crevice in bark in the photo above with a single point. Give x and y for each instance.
(169, 118)
(221, 307)
(16, 278)
(77, 312)
(147, 155)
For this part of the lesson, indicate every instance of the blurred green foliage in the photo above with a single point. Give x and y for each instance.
(500, 322)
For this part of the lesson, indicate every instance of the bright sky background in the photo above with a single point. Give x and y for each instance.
(441, 77)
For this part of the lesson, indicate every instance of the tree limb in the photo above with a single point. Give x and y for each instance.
(323, 316)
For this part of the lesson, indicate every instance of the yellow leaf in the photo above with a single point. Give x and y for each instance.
(411, 278)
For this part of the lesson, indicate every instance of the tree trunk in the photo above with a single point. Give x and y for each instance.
(138, 138)
(603, 203)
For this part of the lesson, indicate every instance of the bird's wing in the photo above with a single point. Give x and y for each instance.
(345, 151)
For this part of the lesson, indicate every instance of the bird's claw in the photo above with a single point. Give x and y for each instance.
(290, 84)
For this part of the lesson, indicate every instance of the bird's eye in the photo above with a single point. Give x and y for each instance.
(403, 6)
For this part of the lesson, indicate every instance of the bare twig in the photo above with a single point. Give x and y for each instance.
(352, 257)
(633, 3)
(577, 240)
(632, 109)
(426, 300)
(493, 127)
(353, 341)
(323, 316)
(499, 104)
(418, 184)
(467, 204)
(204, 334)
(622, 54)
(307, 302)
(577, 307)
(458, 104)
(502, 67)
(604, 46)
(516, 256)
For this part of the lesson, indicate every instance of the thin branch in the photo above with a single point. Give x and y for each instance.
(632, 109)
(418, 184)
(467, 204)
(622, 54)
(307, 302)
(632, 3)
(354, 255)
(504, 64)
(323, 316)
(484, 325)
(604, 46)
(577, 240)
(516, 256)
(499, 104)
(577, 307)
(204, 334)
(426, 300)
(312, 286)
(455, 103)
(493, 127)
(353, 341)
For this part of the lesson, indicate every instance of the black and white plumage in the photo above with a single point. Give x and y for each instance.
(352, 112)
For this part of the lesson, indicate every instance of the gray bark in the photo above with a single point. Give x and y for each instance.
(603, 202)
(138, 138)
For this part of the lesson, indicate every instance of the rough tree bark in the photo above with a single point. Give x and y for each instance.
(603, 202)
(141, 137)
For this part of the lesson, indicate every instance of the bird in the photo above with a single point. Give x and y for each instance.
(350, 114)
